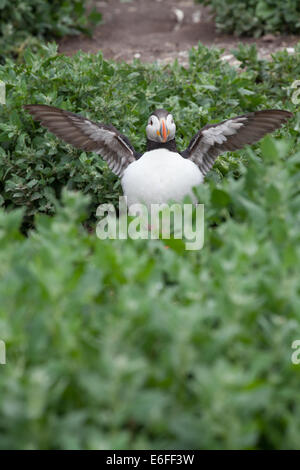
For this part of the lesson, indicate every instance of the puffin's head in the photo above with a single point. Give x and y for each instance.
(161, 126)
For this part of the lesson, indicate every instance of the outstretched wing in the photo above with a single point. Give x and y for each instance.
(233, 134)
(87, 135)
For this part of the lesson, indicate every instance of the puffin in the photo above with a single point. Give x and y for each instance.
(162, 173)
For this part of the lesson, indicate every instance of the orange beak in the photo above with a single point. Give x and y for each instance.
(163, 130)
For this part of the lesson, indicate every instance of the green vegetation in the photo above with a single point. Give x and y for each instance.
(27, 22)
(35, 165)
(124, 343)
(256, 17)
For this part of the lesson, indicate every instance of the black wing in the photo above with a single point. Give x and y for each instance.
(232, 134)
(87, 135)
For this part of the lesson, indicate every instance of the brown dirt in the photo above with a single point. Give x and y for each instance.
(152, 31)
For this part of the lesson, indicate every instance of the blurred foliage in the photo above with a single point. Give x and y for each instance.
(35, 165)
(124, 344)
(256, 17)
(27, 22)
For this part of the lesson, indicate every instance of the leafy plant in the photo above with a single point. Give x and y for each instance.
(256, 17)
(26, 22)
(124, 344)
(35, 166)
(115, 344)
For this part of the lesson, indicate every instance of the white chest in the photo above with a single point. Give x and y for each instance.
(160, 176)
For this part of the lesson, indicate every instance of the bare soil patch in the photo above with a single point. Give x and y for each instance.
(161, 30)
